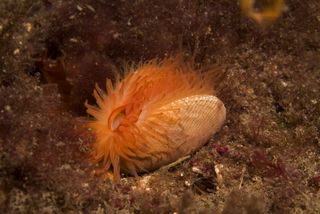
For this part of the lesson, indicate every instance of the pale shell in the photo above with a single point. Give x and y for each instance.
(198, 117)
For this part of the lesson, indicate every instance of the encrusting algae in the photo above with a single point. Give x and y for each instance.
(155, 115)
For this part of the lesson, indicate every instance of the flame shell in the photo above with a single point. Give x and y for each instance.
(157, 114)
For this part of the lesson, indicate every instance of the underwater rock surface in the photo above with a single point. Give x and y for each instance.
(53, 52)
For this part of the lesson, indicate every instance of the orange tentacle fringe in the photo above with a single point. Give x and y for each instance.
(156, 114)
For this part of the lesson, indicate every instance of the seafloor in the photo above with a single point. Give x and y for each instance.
(266, 158)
